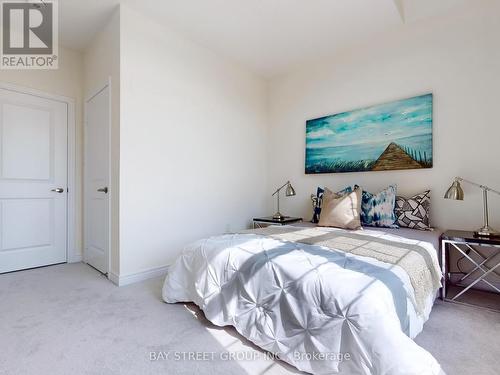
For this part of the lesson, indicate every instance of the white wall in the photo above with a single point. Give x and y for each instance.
(200, 142)
(457, 57)
(101, 62)
(193, 141)
(65, 81)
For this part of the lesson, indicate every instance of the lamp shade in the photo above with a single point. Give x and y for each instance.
(290, 191)
(455, 191)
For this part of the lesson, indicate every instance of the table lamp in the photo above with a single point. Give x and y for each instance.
(289, 192)
(455, 192)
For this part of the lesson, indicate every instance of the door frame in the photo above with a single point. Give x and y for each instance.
(93, 93)
(73, 253)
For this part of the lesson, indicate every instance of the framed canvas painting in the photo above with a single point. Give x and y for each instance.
(390, 136)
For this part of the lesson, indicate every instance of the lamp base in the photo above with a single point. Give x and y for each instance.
(486, 232)
(279, 216)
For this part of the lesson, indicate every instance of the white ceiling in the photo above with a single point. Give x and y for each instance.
(268, 36)
(80, 20)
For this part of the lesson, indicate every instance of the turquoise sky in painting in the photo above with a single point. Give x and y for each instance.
(377, 124)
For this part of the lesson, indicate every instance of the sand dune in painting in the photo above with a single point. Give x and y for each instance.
(394, 157)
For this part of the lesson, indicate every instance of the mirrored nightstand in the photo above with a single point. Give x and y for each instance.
(483, 267)
(262, 222)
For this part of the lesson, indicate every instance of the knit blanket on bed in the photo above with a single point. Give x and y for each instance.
(420, 264)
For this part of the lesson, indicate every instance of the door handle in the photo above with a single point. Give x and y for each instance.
(58, 190)
(103, 190)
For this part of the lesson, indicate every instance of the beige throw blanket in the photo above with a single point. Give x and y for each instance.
(421, 265)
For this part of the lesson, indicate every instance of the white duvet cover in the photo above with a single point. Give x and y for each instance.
(321, 310)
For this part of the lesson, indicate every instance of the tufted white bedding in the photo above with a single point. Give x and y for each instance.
(323, 311)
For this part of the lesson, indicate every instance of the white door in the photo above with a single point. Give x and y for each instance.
(97, 181)
(33, 181)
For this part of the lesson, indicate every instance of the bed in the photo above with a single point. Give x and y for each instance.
(324, 300)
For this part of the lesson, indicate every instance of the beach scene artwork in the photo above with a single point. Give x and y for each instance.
(391, 136)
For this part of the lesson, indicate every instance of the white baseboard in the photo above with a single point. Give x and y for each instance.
(122, 280)
(114, 278)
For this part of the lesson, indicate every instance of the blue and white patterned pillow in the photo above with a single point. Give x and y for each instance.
(377, 210)
(318, 201)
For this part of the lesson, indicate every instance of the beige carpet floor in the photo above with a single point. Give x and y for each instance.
(70, 320)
